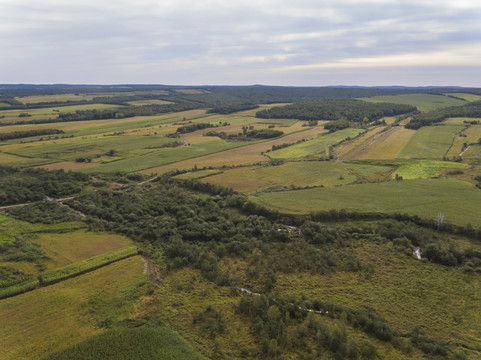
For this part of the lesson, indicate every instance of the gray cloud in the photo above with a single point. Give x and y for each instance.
(241, 42)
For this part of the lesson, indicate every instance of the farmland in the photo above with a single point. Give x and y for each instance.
(347, 238)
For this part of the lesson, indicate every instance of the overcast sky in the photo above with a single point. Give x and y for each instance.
(231, 42)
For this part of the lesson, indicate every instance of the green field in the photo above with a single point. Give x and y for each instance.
(54, 317)
(430, 142)
(299, 174)
(318, 147)
(147, 342)
(458, 200)
(466, 96)
(424, 102)
(425, 169)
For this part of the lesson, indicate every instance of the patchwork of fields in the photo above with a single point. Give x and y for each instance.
(245, 220)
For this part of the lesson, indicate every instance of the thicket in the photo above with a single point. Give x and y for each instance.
(81, 267)
(470, 110)
(336, 125)
(247, 134)
(334, 109)
(19, 288)
(46, 212)
(194, 127)
(18, 186)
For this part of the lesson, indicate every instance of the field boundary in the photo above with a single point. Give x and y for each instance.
(64, 273)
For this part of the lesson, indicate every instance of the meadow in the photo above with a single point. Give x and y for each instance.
(458, 200)
(424, 102)
(431, 142)
(296, 174)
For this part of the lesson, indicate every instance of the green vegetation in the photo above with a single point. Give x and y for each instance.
(458, 200)
(424, 102)
(145, 342)
(318, 147)
(28, 133)
(81, 267)
(425, 169)
(431, 142)
(231, 108)
(470, 110)
(333, 109)
(19, 288)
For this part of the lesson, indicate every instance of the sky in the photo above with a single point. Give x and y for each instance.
(231, 42)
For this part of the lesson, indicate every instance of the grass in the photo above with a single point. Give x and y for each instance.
(424, 102)
(458, 200)
(430, 142)
(305, 173)
(466, 96)
(52, 318)
(54, 98)
(425, 169)
(198, 174)
(78, 268)
(444, 301)
(65, 249)
(19, 288)
(318, 147)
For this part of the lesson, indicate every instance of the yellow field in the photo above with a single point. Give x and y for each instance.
(53, 317)
(6, 158)
(65, 249)
(248, 154)
(380, 145)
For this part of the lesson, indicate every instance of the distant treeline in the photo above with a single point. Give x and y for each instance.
(231, 108)
(471, 110)
(28, 133)
(248, 134)
(125, 112)
(333, 109)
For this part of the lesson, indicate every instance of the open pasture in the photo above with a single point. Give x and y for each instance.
(302, 173)
(318, 147)
(424, 102)
(54, 317)
(149, 102)
(430, 142)
(247, 153)
(458, 200)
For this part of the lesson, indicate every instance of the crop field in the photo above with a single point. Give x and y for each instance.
(458, 200)
(425, 169)
(198, 174)
(424, 102)
(53, 317)
(474, 150)
(379, 143)
(318, 147)
(65, 249)
(430, 142)
(301, 174)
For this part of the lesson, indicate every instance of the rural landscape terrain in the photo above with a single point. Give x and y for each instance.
(239, 222)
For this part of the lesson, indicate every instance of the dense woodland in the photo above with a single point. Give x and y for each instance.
(470, 110)
(334, 109)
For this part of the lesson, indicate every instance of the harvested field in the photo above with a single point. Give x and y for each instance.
(376, 144)
(65, 165)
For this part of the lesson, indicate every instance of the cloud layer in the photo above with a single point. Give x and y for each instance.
(306, 42)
